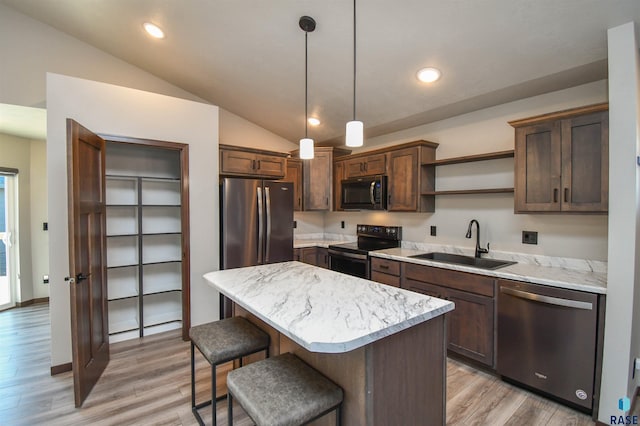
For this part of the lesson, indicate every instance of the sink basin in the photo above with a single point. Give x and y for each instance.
(459, 259)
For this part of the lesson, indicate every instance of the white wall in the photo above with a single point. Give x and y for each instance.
(622, 320)
(38, 215)
(15, 153)
(237, 131)
(487, 130)
(104, 108)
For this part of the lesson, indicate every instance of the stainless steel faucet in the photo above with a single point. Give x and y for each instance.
(479, 250)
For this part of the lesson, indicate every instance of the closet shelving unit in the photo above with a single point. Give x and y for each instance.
(147, 253)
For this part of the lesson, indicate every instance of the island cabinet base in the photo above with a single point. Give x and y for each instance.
(400, 379)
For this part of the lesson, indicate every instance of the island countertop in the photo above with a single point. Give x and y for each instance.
(322, 310)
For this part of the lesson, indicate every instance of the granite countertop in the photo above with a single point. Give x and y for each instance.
(322, 310)
(555, 276)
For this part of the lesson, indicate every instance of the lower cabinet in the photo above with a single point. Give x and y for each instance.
(385, 271)
(318, 256)
(470, 327)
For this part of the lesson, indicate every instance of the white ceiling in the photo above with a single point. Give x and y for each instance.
(247, 56)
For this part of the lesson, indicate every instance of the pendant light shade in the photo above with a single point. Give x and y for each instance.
(307, 24)
(306, 148)
(354, 135)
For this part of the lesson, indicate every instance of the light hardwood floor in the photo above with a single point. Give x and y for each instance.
(147, 382)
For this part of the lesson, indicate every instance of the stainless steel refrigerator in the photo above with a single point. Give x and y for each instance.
(256, 225)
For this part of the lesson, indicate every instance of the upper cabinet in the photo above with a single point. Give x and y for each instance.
(365, 166)
(408, 180)
(249, 162)
(294, 175)
(318, 178)
(562, 161)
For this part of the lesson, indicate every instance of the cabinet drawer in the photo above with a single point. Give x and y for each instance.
(383, 278)
(267, 165)
(471, 283)
(385, 266)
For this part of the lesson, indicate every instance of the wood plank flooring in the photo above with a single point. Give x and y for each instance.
(147, 382)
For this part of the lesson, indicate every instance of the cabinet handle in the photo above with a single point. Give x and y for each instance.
(384, 267)
(366, 167)
(360, 166)
(299, 201)
(566, 195)
(258, 164)
(253, 164)
(555, 195)
(389, 199)
(327, 202)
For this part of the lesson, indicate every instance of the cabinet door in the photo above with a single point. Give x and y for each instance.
(470, 326)
(317, 181)
(309, 255)
(537, 168)
(403, 180)
(237, 162)
(267, 165)
(338, 176)
(294, 175)
(585, 163)
(354, 168)
(322, 257)
(375, 164)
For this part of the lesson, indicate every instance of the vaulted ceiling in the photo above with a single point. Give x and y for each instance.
(247, 56)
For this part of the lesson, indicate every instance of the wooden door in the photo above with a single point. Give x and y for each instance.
(403, 180)
(538, 168)
(585, 163)
(375, 164)
(87, 258)
(270, 165)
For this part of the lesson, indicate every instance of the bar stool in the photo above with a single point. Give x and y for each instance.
(220, 342)
(282, 390)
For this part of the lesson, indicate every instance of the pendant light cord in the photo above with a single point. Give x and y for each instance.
(306, 76)
(354, 60)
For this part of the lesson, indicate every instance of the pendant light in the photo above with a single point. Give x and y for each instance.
(308, 24)
(354, 136)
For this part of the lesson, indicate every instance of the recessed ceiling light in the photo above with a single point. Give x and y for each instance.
(428, 75)
(153, 30)
(313, 121)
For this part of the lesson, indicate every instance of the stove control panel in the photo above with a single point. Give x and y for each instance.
(380, 231)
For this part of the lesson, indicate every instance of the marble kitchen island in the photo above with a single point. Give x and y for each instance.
(383, 345)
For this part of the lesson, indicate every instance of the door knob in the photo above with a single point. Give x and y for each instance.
(81, 277)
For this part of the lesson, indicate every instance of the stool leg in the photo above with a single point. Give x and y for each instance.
(213, 394)
(229, 408)
(339, 415)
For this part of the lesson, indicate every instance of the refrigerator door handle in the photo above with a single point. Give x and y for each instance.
(260, 226)
(267, 197)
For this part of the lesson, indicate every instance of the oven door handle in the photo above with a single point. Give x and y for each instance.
(356, 256)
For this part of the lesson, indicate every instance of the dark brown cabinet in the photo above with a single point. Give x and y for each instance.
(249, 162)
(385, 271)
(562, 161)
(366, 166)
(338, 176)
(318, 179)
(317, 256)
(408, 180)
(470, 327)
(294, 175)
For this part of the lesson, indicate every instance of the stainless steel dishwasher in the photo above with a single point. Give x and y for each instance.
(547, 340)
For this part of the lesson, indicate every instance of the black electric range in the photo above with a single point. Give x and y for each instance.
(353, 258)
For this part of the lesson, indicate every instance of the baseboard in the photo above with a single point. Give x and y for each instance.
(62, 368)
(32, 302)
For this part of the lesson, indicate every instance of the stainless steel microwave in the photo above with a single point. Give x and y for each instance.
(364, 193)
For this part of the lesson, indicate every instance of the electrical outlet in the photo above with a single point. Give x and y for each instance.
(432, 231)
(529, 237)
(342, 224)
(45, 226)
(45, 279)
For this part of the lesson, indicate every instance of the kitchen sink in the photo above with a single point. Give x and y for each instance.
(459, 259)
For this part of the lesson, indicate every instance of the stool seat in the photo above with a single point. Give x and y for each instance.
(220, 342)
(228, 339)
(283, 390)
